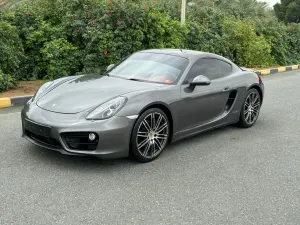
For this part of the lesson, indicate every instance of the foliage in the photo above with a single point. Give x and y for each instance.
(247, 48)
(288, 11)
(293, 43)
(242, 9)
(11, 52)
(206, 31)
(60, 58)
(11, 49)
(34, 33)
(54, 38)
(109, 39)
(6, 82)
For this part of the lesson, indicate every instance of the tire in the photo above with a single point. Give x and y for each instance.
(148, 138)
(250, 109)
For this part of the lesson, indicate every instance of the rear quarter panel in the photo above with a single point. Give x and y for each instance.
(242, 81)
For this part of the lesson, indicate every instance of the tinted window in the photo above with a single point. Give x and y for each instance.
(161, 68)
(211, 68)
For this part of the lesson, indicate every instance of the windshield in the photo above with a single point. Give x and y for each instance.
(151, 67)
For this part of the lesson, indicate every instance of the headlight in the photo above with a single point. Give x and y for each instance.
(41, 90)
(108, 109)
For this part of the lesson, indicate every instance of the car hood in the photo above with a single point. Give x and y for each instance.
(85, 92)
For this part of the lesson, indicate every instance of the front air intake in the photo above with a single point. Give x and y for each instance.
(80, 141)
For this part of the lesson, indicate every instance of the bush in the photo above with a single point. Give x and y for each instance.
(11, 49)
(11, 52)
(54, 38)
(35, 33)
(113, 33)
(293, 43)
(206, 31)
(60, 58)
(248, 49)
(210, 30)
(7, 82)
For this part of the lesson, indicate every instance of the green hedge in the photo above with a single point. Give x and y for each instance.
(7, 81)
(48, 39)
(11, 54)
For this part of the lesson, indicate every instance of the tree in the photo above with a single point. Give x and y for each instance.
(288, 11)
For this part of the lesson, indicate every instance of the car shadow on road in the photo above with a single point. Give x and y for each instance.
(57, 159)
(201, 137)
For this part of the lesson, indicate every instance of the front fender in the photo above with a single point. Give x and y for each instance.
(139, 101)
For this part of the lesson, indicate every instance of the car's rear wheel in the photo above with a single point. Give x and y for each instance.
(150, 135)
(251, 109)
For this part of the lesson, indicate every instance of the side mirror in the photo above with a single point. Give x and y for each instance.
(110, 67)
(201, 81)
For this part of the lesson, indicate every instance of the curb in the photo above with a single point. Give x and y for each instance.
(14, 101)
(22, 100)
(277, 70)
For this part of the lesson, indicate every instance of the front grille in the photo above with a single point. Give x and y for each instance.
(80, 141)
(48, 141)
(37, 129)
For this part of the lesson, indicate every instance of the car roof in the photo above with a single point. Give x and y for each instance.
(189, 54)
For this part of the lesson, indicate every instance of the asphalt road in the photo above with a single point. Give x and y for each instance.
(228, 176)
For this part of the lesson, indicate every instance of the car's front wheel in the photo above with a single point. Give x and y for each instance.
(150, 135)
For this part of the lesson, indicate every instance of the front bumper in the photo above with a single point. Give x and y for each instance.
(113, 134)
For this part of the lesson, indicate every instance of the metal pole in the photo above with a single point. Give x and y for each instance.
(183, 9)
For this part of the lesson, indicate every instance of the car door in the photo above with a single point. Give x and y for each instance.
(203, 104)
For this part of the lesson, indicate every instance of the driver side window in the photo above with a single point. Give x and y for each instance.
(211, 68)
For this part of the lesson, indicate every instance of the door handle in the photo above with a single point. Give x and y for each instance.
(226, 89)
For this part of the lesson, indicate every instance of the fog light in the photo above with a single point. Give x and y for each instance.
(92, 137)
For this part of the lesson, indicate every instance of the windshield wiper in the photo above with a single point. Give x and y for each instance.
(134, 79)
(125, 78)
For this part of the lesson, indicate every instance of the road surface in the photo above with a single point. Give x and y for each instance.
(227, 176)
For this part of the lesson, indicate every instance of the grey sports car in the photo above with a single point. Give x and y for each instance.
(145, 102)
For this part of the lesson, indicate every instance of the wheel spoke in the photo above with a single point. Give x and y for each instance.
(146, 125)
(143, 143)
(255, 99)
(247, 117)
(156, 142)
(158, 122)
(160, 129)
(246, 104)
(247, 111)
(255, 112)
(252, 97)
(153, 149)
(147, 149)
(162, 136)
(152, 121)
(142, 134)
(252, 117)
(256, 105)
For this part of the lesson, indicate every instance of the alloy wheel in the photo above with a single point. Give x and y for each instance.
(252, 107)
(152, 135)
